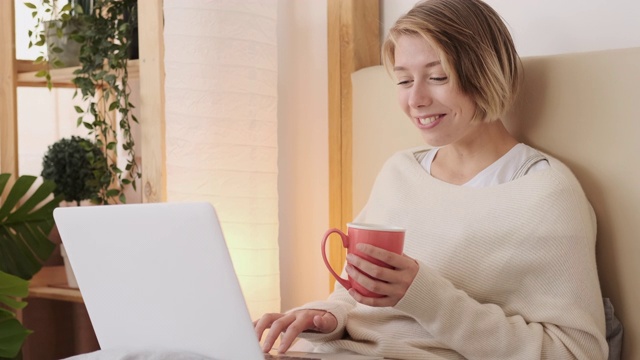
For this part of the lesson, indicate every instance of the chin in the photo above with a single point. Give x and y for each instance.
(433, 142)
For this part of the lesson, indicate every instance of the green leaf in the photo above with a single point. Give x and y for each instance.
(42, 73)
(88, 125)
(30, 5)
(12, 334)
(12, 302)
(79, 110)
(110, 78)
(114, 105)
(57, 63)
(24, 229)
(14, 286)
(112, 192)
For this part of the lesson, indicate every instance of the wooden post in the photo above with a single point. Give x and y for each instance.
(152, 99)
(8, 94)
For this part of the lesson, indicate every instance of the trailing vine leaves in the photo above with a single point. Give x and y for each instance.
(102, 81)
(51, 24)
(105, 33)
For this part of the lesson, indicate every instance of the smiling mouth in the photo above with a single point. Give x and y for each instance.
(428, 120)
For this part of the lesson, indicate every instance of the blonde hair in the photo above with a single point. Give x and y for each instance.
(475, 48)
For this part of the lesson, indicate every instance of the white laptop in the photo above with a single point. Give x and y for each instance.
(159, 276)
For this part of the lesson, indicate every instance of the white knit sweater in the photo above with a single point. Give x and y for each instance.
(506, 272)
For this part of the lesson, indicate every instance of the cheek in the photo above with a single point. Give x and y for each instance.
(403, 100)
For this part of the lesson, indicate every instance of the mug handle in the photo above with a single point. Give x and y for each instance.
(345, 243)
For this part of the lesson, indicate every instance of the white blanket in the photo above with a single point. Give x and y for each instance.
(122, 354)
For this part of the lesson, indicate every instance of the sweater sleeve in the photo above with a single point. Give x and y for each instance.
(339, 304)
(555, 311)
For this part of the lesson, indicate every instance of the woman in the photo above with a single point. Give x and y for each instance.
(499, 256)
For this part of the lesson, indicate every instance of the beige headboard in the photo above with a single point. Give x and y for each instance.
(582, 108)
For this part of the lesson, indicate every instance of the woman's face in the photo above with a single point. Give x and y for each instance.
(441, 112)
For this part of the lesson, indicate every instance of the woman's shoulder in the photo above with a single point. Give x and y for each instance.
(560, 171)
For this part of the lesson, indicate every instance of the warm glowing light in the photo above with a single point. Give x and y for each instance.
(221, 129)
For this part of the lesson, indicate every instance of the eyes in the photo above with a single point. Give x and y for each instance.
(432, 79)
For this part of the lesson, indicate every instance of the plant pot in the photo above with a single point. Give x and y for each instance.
(70, 49)
(71, 278)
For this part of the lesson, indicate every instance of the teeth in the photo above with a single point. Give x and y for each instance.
(429, 120)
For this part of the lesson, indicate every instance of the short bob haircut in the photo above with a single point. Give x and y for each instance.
(475, 48)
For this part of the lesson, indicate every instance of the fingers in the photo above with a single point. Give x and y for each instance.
(265, 322)
(391, 283)
(325, 323)
(291, 325)
(387, 257)
(374, 302)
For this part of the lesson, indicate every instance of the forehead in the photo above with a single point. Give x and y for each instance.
(414, 49)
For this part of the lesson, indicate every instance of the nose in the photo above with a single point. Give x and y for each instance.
(419, 96)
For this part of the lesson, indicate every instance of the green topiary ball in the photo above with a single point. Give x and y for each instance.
(74, 165)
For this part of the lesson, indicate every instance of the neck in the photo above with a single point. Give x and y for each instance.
(459, 162)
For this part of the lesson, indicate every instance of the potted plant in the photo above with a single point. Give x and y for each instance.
(25, 223)
(75, 165)
(55, 32)
(105, 34)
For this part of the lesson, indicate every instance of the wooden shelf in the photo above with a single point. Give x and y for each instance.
(53, 292)
(60, 78)
(51, 283)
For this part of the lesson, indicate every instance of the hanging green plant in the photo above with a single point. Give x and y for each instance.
(105, 32)
(52, 33)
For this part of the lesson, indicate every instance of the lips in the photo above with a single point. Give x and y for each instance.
(428, 121)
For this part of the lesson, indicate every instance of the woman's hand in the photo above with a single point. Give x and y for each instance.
(391, 283)
(291, 325)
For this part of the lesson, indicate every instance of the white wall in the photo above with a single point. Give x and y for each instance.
(303, 149)
(543, 27)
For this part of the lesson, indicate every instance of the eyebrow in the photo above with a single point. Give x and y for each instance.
(431, 64)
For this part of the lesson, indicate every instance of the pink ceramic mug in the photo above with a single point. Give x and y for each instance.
(390, 238)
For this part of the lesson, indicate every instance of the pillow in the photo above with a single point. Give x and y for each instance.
(614, 331)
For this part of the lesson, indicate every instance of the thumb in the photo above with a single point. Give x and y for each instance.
(325, 323)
